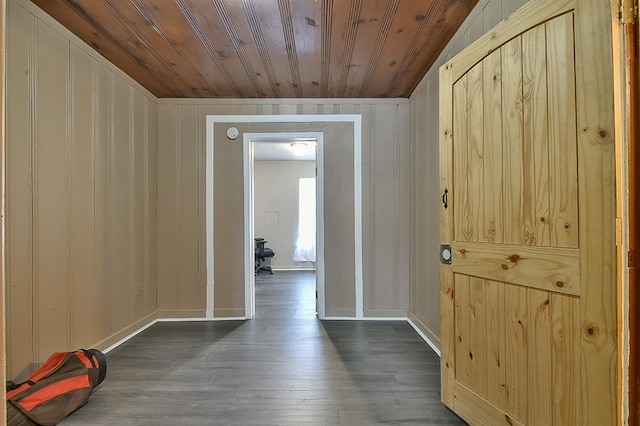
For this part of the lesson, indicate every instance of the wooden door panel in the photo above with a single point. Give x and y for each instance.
(516, 354)
(561, 104)
(565, 359)
(492, 127)
(526, 154)
(496, 389)
(462, 330)
(547, 268)
(475, 139)
(535, 136)
(522, 94)
(462, 199)
(516, 231)
(516, 348)
(478, 353)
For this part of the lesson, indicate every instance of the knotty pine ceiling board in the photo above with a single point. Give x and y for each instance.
(267, 48)
(269, 23)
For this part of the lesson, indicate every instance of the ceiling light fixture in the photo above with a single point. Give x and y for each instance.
(298, 148)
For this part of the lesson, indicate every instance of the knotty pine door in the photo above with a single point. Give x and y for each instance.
(528, 305)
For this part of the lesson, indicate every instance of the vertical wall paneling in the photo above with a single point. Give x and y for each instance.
(151, 213)
(167, 202)
(413, 207)
(51, 191)
(288, 109)
(131, 209)
(102, 130)
(381, 229)
(492, 14)
(80, 188)
(310, 109)
(385, 152)
(425, 309)
(188, 217)
(19, 198)
(145, 208)
(203, 110)
(3, 335)
(228, 223)
(248, 109)
(510, 6)
(402, 180)
(82, 244)
(137, 221)
(120, 202)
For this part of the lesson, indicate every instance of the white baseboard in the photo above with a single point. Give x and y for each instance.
(424, 337)
(365, 319)
(290, 268)
(129, 336)
(200, 319)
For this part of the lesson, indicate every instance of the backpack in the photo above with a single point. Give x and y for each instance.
(54, 391)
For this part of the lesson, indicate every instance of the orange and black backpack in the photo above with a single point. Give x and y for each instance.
(59, 387)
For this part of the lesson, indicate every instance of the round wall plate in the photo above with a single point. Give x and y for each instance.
(232, 133)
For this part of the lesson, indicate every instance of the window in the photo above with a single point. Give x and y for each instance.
(306, 245)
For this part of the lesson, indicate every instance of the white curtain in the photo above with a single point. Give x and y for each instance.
(306, 245)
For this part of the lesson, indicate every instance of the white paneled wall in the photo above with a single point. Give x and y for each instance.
(385, 176)
(80, 191)
(424, 308)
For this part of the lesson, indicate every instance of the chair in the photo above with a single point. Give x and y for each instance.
(263, 256)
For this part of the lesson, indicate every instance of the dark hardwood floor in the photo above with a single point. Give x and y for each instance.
(284, 367)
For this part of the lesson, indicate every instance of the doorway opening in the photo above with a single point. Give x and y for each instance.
(289, 218)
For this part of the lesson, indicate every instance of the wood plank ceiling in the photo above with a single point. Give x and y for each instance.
(267, 48)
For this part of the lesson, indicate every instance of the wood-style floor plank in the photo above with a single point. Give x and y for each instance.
(285, 367)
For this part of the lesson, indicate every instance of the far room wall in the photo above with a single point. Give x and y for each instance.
(182, 213)
(276, 196)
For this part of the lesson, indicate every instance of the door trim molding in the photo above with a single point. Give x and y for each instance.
(356, 120)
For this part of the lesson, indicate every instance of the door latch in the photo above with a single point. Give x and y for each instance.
(445, 254)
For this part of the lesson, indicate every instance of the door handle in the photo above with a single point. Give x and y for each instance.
(445, 198)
